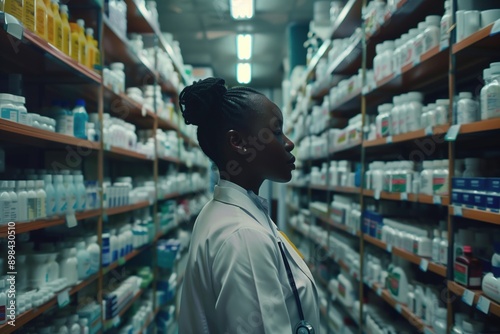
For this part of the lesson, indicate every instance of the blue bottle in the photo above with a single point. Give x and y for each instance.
(80, 119)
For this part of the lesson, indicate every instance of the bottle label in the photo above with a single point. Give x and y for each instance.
(461, 273)
(16, 9)
(431, 40)
(419, 47)
(439, 182)
(9, 114)
(63, 205)
(32, 209)
(342, 290)
(41, 20)
(493, 102)
(445, 26)
(393, 283)
(399, 183)
(23, 117)
(75, 47)
(384, 128)
(41, 208)
(50, 28)
(29, 17)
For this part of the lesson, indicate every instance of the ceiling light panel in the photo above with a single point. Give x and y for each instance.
(244, 73)
(241, 9)
(244, 46)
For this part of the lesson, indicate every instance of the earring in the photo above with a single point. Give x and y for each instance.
(244, 149)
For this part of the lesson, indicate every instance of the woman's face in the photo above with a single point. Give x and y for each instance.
(268, 149)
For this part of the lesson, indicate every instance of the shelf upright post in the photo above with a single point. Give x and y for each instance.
(100, 160)
(363, 164)
(155, 175)
(451, 159)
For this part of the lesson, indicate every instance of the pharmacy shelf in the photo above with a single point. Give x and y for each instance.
(166, 124)
(425, 75)
(346, 149)
(417, 198)
(348, 106)
(400, 308)
(188, 140)
(324, 217)
(484, 216)
(24, 318)
(127, 208)
(457, 289)
(337, 189)
(123, 260)
(480, 127)
(485, 38)
(425, 264)
(349, 61)
(18, 133)
(318, 187)
(139, 21)
(117, 49)
(169, 196)
(341, 263)
(32, 55)
(129, 110)
(45, 223)
(124, 154)
(168, 87)
(406, 16)
(406, 137)
(111, 323)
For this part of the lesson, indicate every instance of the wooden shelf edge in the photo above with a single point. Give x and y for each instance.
(484, 216)
(404, 254)
(481, 126)
(413, 135)
(459, 290)
(127, 208)
(54, 137)
(415, 198)
(122, 261)
(128, 153)
(472, 39)
(44, 223)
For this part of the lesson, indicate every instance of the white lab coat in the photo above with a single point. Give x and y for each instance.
(235, 280)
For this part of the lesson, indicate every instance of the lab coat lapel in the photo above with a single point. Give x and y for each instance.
(234, 197)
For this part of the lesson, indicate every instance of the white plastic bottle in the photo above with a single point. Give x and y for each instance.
(69, 265)
(414, 111)
(14, 202)
(50, 206)
(83, 258)
(32, 200)
(440, 177)
(467, 109)
(8, 109)
(5, 203)
(419, 42)
(443, 249)
(446, 21)
(60, 195)
(81, 193)
(113, 242)
(22, 198)
(84, 325)
(74, 325)
(106, 249)
(41, 199)
(403, 124)
(426, 178)
(70, 192)
(436, 244)
(490, 93)
(432, 32)
(383, 120)
(95, 254)
(441, 113)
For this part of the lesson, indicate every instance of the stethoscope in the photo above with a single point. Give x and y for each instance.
(302, 327)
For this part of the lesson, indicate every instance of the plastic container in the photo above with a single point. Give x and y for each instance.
(440, 323)
(490, 93)
(83, 258)
(442, 111)
(60, 197)
(22, 112)
(467, 109)
(432, 32)
(82, 40)
(419, 41)
(383, 120)
(8, 108)
(81, 118)
(5, 203)
(65, 30)
(436, 246)
(69, 265)
(414, 111)
(41, 200)
(467, 269)
(440, 177)
(14, 202)
(394, 116)
(446, 22)
(426, 178)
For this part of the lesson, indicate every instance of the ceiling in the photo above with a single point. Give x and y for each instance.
(207, 35)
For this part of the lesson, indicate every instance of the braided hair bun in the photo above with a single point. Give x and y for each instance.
(202, 101)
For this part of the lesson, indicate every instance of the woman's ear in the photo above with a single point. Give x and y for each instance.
(236, 141)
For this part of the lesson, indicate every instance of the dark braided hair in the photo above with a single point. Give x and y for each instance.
(215, 110)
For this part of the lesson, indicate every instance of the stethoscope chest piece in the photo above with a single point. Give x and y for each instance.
(303, 327)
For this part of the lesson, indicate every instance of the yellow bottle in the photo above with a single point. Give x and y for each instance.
(29, 14)
(50, 23)
(75, 41)
(83, 41)
(41, 19)
(66, 31)
(57, 24)
(90, 48)
(15, 8)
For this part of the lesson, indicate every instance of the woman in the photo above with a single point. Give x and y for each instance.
(236, 278)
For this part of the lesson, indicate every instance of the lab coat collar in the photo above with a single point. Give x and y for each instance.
(232, 194)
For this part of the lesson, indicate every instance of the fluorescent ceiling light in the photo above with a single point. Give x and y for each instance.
(244, 73)
(241, 9)
(244, 46)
